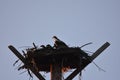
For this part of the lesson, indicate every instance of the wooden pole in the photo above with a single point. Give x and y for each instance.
(101, 49)
(38, 75)
(56, 72)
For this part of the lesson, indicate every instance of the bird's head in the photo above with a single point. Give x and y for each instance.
(55, 38)
(43, 46)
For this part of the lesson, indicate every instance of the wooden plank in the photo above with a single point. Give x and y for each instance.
(100, 50)
(38, 75)
(78, 70)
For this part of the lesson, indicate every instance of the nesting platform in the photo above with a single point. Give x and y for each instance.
(68, 58)
(41, 59)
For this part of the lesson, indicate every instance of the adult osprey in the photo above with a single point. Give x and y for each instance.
(58, 43)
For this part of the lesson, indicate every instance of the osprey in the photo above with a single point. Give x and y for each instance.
(58, 43)
(46, 47)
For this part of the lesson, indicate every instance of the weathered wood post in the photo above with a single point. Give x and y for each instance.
(56, 72)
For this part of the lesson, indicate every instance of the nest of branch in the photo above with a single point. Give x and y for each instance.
(41, 58)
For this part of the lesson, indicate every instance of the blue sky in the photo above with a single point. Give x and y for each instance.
(76, 22)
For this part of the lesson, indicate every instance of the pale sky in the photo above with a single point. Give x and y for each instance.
(75, 22)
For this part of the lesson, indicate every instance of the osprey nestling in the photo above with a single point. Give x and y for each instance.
(58, 43)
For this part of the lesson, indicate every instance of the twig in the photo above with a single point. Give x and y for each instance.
(98, 67)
